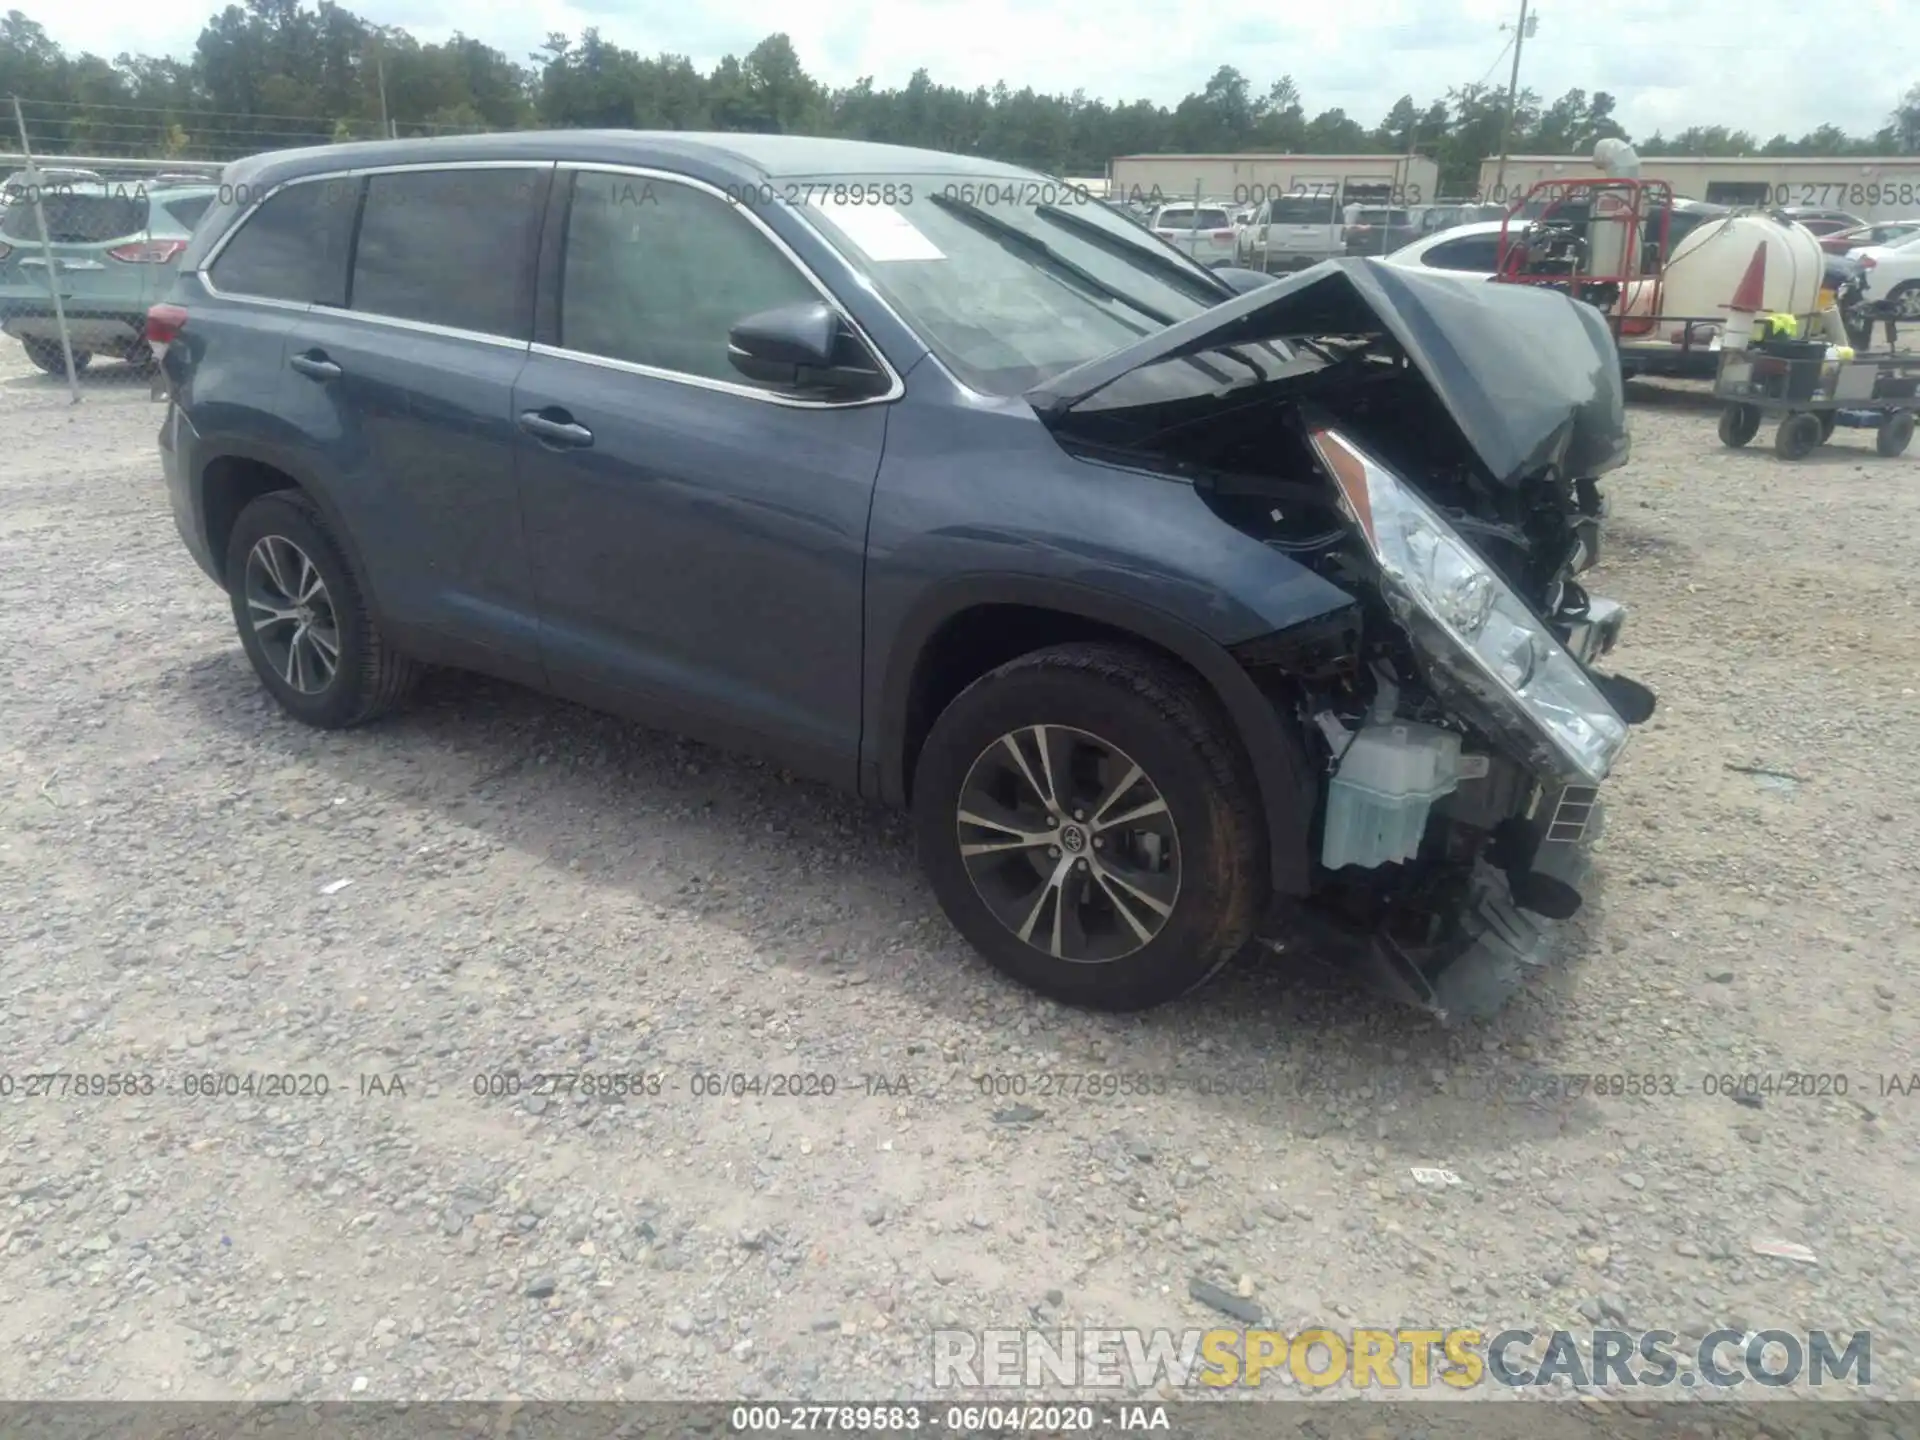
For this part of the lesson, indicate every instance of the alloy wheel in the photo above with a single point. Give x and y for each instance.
(292, 614)
(1069, 843)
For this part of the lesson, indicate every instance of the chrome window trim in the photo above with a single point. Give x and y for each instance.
(421, 327)
(896, 387)
(355, 173)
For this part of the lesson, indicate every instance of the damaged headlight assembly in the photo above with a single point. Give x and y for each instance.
(1468, 619)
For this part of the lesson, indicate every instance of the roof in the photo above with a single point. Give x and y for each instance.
(723, 154)
(1277, 155)
(1756, 161)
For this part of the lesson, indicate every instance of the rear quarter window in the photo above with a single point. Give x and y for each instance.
(293, 247)
(187, 210)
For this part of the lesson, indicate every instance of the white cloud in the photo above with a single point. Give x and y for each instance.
(1761, 65)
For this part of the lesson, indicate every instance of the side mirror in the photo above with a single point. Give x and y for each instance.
(803, 346)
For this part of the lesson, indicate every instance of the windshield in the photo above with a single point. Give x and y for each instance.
(1012, 282)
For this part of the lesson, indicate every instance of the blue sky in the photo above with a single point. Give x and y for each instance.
(1760, 65)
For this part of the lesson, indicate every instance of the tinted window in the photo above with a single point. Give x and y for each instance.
(657, 274)
(1183, 219)
(449, 247)
(1471, 252)
(1303, 210)
(80, 215)
(294, 247)
(187, 210)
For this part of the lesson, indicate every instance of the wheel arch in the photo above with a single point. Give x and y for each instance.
(971, 626)
(240, 473)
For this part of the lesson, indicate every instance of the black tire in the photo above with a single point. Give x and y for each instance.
(1895, 434)
(1798, 435)
(369, 676)
(1828, 420)
(1739, 424)
(1157, 716)
(47, 356)
(1903, 302)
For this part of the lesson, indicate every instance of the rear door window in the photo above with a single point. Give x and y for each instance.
(657, 274)
(293, 247)
(451, 248)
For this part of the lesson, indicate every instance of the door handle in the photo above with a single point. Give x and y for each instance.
(315, 366)
(555, 427)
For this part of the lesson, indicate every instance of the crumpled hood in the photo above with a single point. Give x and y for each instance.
(1531, 377)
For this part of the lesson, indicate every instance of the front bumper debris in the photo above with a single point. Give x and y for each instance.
(1495, 942)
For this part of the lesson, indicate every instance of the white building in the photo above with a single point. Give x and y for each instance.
(1874, 187)
(1247, 179)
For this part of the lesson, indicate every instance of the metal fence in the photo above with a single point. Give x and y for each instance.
(86, 247)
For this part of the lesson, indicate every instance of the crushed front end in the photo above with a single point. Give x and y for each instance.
(1434, 450)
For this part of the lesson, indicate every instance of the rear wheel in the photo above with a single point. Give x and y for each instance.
(47, 355)
(1896, 433)
(1797, 436)
(303, 620)
(1085, 816)
(1739, 424)
(1904, 302)
(1828, 419)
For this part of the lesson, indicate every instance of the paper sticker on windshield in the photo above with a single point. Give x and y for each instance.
(881, 232)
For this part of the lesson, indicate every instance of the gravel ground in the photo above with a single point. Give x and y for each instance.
(495, 882)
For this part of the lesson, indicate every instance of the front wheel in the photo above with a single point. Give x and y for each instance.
(1085, 816)
(1739, 424)
(303, 620)
(48, 356)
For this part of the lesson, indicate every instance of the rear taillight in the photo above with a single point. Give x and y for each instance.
(1223, 234)
(164, 324)
(148, 252)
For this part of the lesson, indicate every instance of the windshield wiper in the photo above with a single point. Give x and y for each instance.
(1013, 237)
(1125, 249)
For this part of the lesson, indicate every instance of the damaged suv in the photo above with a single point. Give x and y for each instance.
(1180, 607)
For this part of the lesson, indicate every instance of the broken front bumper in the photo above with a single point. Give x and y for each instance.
(1493, 942)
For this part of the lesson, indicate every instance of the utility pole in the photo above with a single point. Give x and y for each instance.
(380, 71)
(1520, 34)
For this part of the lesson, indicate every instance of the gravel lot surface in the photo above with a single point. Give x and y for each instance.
(492, 881)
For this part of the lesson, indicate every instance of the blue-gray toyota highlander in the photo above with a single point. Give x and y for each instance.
(1180, 607)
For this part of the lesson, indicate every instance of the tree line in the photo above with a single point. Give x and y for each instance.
(273, 73)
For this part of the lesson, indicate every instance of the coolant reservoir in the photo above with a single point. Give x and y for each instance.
(1389, 777)
(1706, 268)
